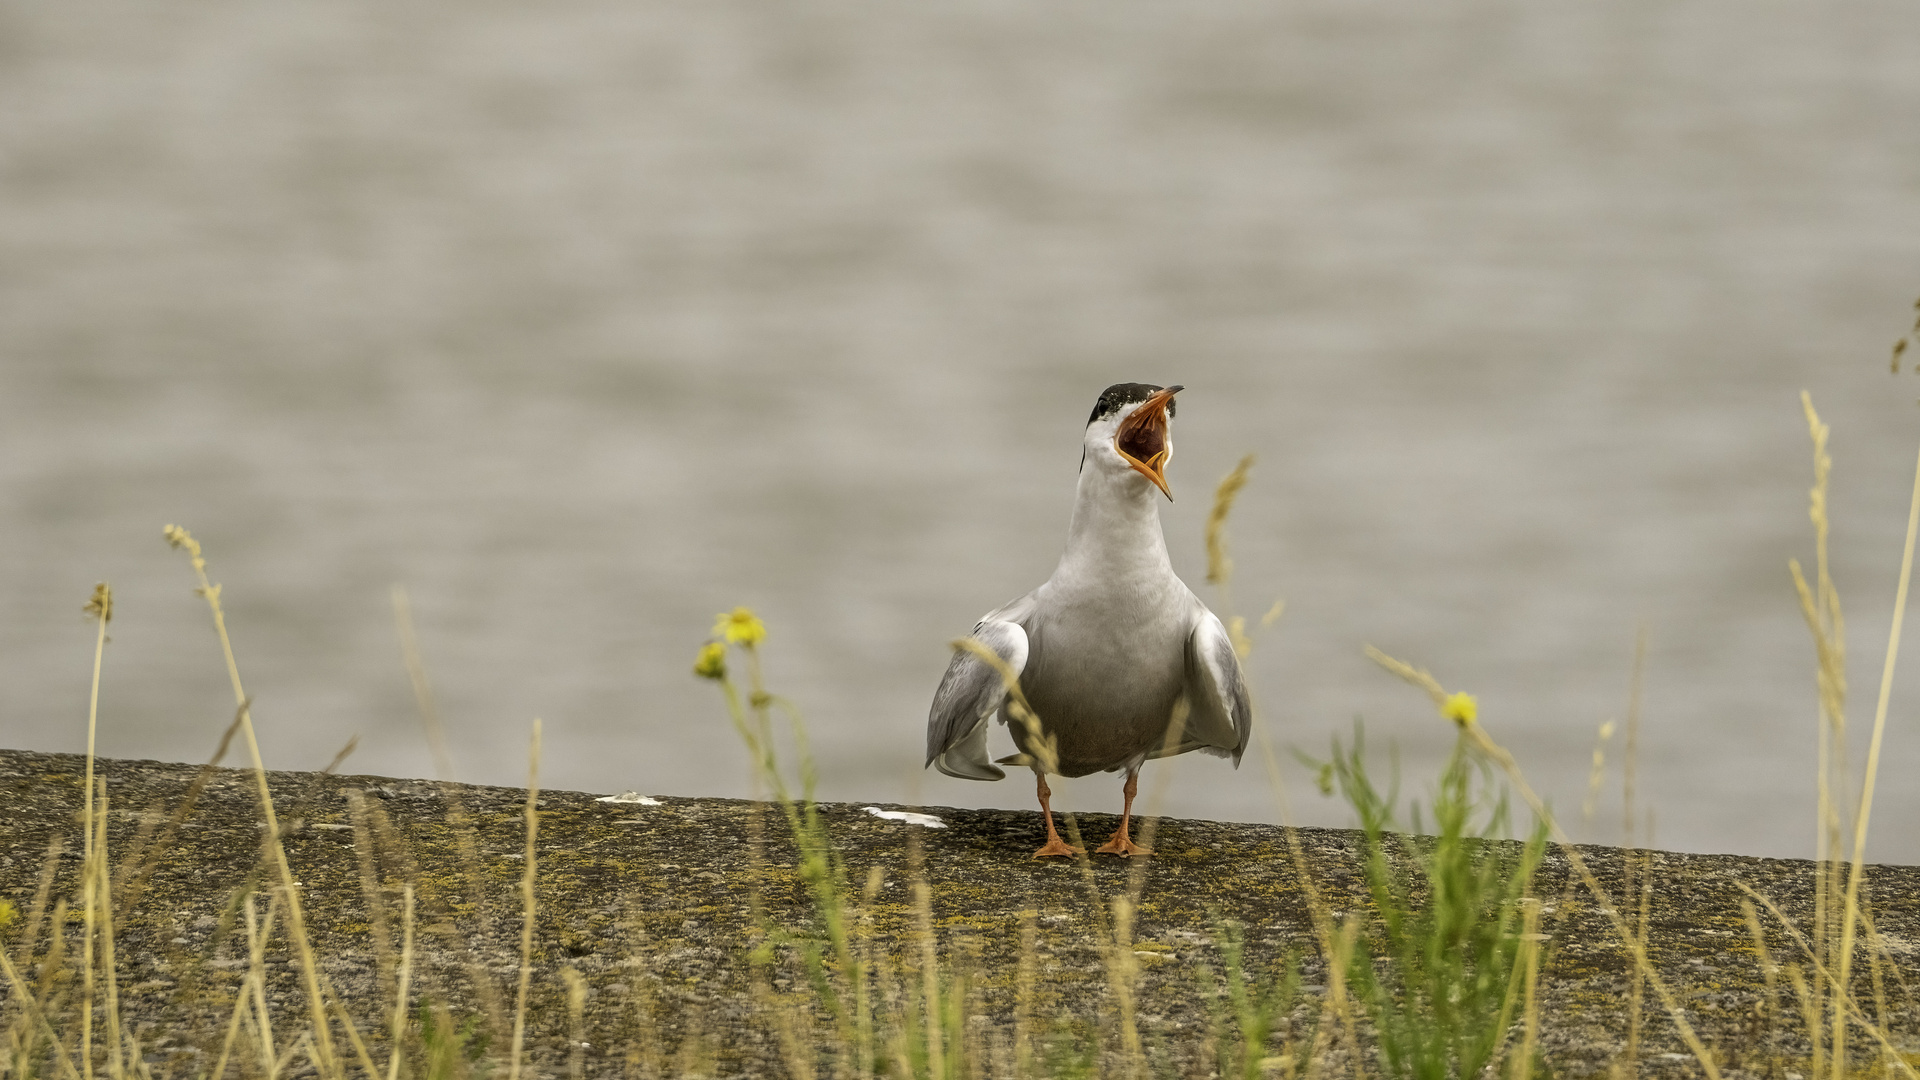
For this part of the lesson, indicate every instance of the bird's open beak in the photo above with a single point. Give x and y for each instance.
(1143, 439)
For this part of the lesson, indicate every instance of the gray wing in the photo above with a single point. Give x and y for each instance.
(1221, 717)
(972, 692)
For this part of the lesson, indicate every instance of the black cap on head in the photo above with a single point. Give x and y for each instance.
(1120, 395)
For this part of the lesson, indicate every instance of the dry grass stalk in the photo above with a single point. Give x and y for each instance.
(49, 991)
(233, 1033)
(645, 1056)
(1123, 972)
(297, 926)
(930, 975)
(577, 1020)
(1879, 949)
(1530, 943)
(1820, 605)
(377, 928)
(422, 689)
(1018, 707)
(1851, 908)
(792, 1028)
(359, 1045)
(1219, 565)
(30, 1004)
(1026, 975)
(262, 1021)
(1876, 952)
(1339, 962)
(1837, 912)
(339, 759)
(464, 838)
(1770, 972)
(100, 897)
(405, 977)
(403, 867)
(90, 909)
(1628, 766)
(1846, 1002)
(42, 897)
(101, 608)
(863, 987)
(1597, 773)
(1642, 888)
(529, 907)
(967, 1003)
(892, 991)
(134, 876)
(1335, 941)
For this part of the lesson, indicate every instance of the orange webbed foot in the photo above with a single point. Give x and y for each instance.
(1121, 844)
(1055, 846)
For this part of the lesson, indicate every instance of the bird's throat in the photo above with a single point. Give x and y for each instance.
(1115, 531)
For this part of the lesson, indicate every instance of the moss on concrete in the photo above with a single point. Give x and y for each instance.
(653, 906)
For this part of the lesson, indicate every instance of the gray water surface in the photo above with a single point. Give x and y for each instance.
(586, 322)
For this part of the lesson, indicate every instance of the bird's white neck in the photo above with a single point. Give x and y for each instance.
(1115, 531)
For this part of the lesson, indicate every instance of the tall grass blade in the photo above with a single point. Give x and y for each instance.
(1851, 909)
(529, 907)
(297, 926)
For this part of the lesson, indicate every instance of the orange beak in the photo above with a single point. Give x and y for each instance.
(1143, 439)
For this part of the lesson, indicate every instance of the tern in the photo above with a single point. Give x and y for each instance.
(1113, 661)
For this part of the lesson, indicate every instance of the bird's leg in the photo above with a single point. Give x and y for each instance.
(1054, 845)
(1120, 843)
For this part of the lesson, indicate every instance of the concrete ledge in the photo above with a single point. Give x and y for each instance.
(651, 905)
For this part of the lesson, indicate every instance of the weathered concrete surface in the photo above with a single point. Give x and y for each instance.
(652, 906)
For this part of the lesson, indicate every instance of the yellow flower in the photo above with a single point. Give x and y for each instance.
(1460, 708)
(739, 627)
(712, 661)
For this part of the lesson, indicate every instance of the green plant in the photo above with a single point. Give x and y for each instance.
(840, 979)
(449, 1046)
(1440, 973)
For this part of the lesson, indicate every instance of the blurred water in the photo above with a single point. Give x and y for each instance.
(588, 321)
